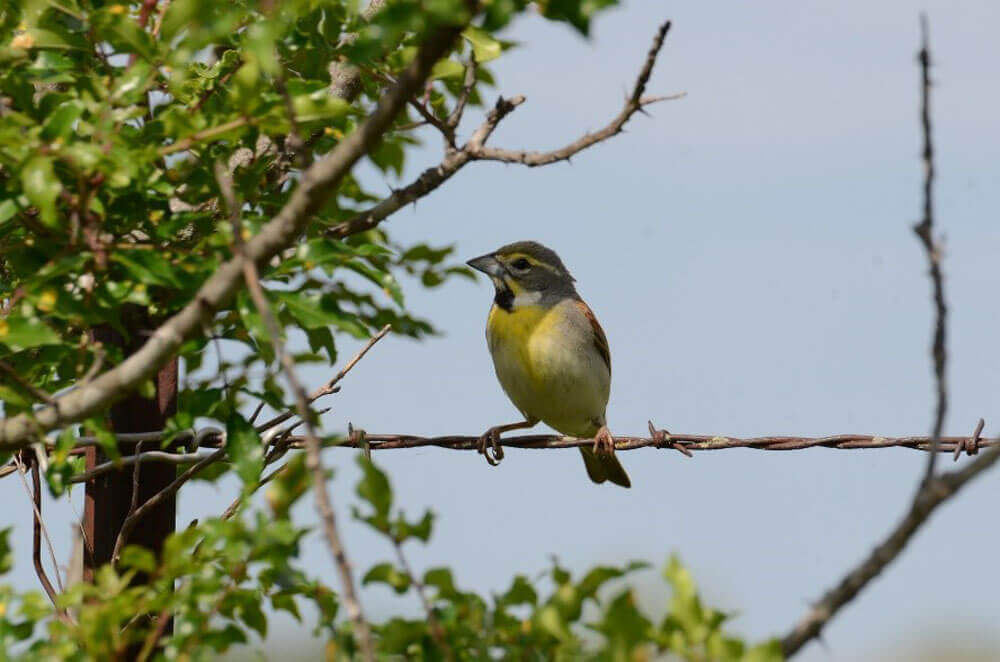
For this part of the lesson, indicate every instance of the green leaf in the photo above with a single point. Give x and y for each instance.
(484, 46)
(6, 554)
(521, 592)
(769, 651)
(374, 489)
(310, 309)
(447, 69)
(147, 266)
(138, 558)
(41, 187)
(575, 12)
(18, 333)
(388, 574)
(288, 487)
(245, 449)
(60, 122)
(421, 529)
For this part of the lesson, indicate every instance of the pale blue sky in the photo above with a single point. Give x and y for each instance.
(748, 251)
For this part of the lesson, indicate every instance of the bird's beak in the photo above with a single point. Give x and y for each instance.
(488, 264)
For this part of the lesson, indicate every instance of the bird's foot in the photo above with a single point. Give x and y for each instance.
(490, 441)
(661, 439)
(604, 442)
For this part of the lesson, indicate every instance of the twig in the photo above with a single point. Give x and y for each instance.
(475, 149)
(207, 134)
(159, 498)
(25, 385)
(331, 386)
(437, 632)
(134, 503)
(925, 230)
(38, 530)
(324, 504)
(469, 84)
(935, 492)
(633, 104)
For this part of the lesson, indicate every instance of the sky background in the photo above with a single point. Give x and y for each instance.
(748, 251)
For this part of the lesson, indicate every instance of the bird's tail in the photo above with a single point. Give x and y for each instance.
(602, 467)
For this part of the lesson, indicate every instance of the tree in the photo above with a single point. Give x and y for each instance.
(178, 176)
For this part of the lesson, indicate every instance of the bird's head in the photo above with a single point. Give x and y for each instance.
(525, 272)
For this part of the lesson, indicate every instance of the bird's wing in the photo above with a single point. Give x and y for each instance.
(600, 340)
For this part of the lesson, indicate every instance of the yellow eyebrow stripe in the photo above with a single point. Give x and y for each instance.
(511, 257)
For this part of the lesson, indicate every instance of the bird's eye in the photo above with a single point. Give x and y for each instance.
(521, 264)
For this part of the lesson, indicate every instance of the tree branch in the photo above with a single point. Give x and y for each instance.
(316, 185)
(933, 494)
(324, 504)
(932, 490)
(475, 149)
(925, 230)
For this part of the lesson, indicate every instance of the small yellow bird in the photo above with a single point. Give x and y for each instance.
(550, 354)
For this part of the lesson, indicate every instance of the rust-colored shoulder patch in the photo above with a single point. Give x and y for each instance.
(600, 340)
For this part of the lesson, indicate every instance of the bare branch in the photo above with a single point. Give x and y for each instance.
(925, 231)
(433, 624)
(469, 84)
(38, 531)
(35, 392)
(331, 386)
(475, 149)
(935, 492)
(324, 505)
(932, 490)
(317, 183)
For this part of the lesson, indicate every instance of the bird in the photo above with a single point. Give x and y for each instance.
(550, 354)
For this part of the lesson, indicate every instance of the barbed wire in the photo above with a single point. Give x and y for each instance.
(214, 438)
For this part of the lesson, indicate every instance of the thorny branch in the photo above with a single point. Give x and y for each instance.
(324, 504)
(475, 148)
(925, 230)
(932, 490)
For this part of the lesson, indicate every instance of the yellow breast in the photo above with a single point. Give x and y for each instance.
(548, 366)
(511, 333)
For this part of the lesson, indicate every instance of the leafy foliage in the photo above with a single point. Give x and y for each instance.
(114, 119)
(227, 574)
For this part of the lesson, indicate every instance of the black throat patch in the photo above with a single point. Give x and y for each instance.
(504, 298)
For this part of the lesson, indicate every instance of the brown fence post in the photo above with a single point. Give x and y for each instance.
(109, 496)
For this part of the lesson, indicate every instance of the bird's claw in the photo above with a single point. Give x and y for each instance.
(604, 442)
(490, 441)
(661, 439)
